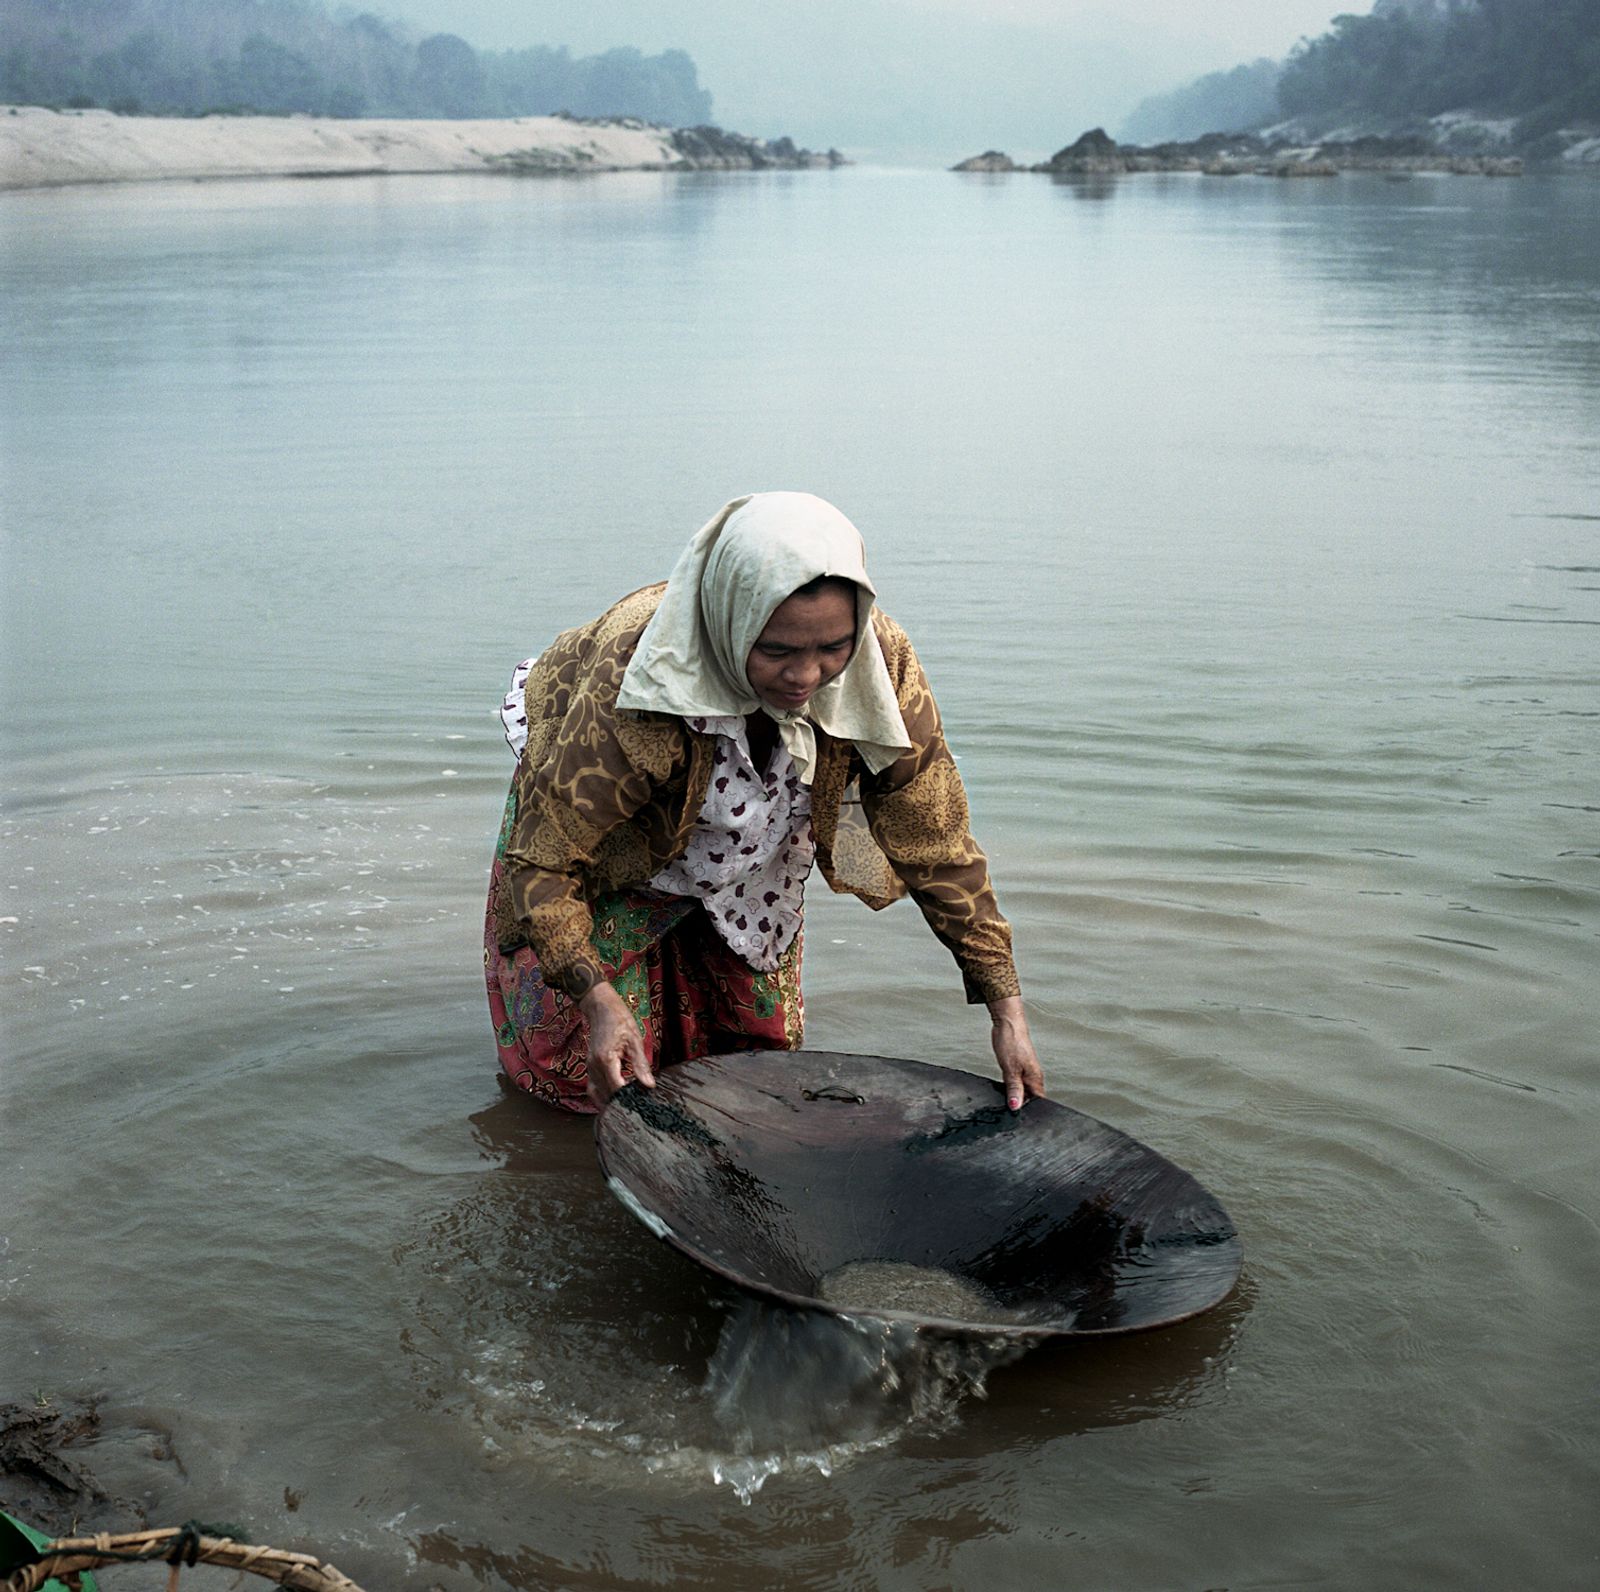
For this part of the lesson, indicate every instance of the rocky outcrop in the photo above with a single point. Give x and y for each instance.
(1094, 154)
(1236, 154)
(1455, 134)
(989, 160)
(713, 149)
(695, 149)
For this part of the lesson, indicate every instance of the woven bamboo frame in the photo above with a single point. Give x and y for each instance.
(68, 1556)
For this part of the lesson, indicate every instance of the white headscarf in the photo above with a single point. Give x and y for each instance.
(753, 553)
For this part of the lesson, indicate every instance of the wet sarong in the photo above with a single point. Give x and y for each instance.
(689, 992)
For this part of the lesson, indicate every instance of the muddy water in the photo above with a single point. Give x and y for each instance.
(1251, 536)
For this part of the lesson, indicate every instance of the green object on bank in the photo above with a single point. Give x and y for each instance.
(17, 1545)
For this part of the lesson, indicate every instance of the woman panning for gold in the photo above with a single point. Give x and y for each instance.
(682, 762)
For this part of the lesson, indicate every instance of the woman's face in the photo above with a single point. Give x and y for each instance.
(806, 642)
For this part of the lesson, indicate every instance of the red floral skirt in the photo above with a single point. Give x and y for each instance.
(691, 994)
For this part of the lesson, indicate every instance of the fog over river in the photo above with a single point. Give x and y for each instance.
(1250, 533)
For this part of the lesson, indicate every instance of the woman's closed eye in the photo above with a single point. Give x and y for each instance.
(833, 649)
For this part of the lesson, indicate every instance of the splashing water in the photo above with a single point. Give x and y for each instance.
(796, 1388)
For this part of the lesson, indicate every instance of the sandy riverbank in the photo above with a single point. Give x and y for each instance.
(42, 148)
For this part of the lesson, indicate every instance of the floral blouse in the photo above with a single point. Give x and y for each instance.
(751, 847)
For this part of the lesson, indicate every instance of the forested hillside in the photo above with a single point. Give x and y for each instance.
(1536, 60)
(192, 56)
(1247, 96)
(1535, 63)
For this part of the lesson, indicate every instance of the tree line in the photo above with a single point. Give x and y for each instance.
(190, 57)
(1220, 102)
(1536, 62)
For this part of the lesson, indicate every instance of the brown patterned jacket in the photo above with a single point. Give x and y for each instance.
(607, 797)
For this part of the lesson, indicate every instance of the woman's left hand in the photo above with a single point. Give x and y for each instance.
(1013, 1049)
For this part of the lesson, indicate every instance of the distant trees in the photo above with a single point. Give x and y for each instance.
(1536, 59)
(664, 88)
(448, 78)
(1222, 102)
(267, 76)
(191, 56)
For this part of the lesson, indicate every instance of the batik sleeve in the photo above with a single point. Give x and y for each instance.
(917, 808)
(589, 777)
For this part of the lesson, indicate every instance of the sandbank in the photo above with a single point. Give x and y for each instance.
(41, 148)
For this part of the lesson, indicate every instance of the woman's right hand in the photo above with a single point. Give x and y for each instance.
(614, 1043)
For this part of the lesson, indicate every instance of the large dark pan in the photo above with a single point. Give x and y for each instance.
(778, 1168)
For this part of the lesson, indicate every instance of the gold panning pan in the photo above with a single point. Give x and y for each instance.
(870, 1186)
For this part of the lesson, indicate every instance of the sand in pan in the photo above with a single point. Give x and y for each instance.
(873, 1285)
(45, 148)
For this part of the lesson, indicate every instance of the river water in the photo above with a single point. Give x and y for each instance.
(1250, 532)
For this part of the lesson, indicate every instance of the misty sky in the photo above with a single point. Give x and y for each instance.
(929, 79)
